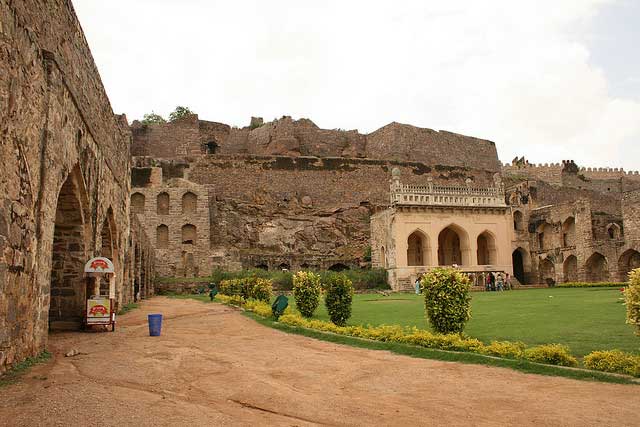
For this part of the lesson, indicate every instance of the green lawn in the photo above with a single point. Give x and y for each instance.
(584, 319)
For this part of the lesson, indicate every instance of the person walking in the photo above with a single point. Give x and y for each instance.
(417, 284)
(500, 282)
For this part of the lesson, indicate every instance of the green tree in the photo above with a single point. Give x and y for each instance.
(447, 300)
(306, 291)
(179, 113)
(152, 119)
(339, 298)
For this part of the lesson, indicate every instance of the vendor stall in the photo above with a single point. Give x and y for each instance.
(101, 305)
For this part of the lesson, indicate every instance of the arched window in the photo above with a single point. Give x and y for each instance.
(137, 203)
(162, 237)
(487, 252)
(545, 236)
(518, 221)
(189, 203)
(613, 230)
(189, 234)
(383, 257)
(162, 204)
(569, 232)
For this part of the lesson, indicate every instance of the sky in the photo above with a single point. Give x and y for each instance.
(545, 79)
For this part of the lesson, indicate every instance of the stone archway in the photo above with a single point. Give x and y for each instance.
(487, 251)
(518, 221)
(518, 260)
(570, 269)
(629, 260)
(547, 272)
(597, 268)
(69, 253)
(569, 232)
(108, 245)
(418, 249)
(453, 246)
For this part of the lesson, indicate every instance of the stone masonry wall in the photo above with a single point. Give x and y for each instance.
(287, 137)
(58, 131)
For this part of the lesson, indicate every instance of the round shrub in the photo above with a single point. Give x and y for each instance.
(339, 298)
(306, 292)
(632, 299)
(447, 300)
(551, 354)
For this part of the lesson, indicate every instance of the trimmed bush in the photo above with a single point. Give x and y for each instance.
(447, 300)
(247, 288)
(615, 361)
(632, 299)
(552, 354)
(506, 349)
(338, 298)
(306, 292)
(591, 285)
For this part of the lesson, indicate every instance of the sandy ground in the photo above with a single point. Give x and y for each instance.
(213, 366)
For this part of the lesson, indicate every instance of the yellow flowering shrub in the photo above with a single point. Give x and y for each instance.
(306, 292)
(552, 354)
(507, 349)
(632, 299)
(613, 361)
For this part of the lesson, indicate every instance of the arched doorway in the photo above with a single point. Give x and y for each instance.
(597, 268)
(517, 258)
(162, 203)
(68, 288)
(487, 252)
(262, 266)
(570, 269)
(453, 246)
(418, 252)
(629, 260)
(383, 257)
(547, 272)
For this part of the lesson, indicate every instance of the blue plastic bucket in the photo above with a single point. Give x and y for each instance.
(155, 324)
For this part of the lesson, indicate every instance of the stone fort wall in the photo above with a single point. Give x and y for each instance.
(64, 188)
(287, 137)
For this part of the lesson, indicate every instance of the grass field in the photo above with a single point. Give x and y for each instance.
(584, 319)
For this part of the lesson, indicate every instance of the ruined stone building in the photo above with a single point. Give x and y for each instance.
(65, 180)
(190, 196)
(288, 195)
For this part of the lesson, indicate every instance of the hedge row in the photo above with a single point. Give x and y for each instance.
(591, 285)
(375, 278)
(612, 361)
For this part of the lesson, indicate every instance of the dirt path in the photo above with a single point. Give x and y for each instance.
(213, 366)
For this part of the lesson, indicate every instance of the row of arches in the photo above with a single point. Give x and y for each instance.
(453, 248)
(188, 233)
(163, 203)
(304, 266)
(596, 267)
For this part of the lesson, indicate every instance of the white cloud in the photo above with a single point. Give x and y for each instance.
(517, 73)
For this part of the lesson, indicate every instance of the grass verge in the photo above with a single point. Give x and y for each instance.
(449, 356)
(17, 371)
(127, 308)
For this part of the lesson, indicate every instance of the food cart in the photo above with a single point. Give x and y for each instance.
(101, 307)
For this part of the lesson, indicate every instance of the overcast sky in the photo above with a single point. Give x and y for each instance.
(550, 80)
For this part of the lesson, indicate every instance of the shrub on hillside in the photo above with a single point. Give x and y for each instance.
(615, 361)
(632, 299)
(552, 354)
(338, 299)
(447, 300)
(306, 292)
